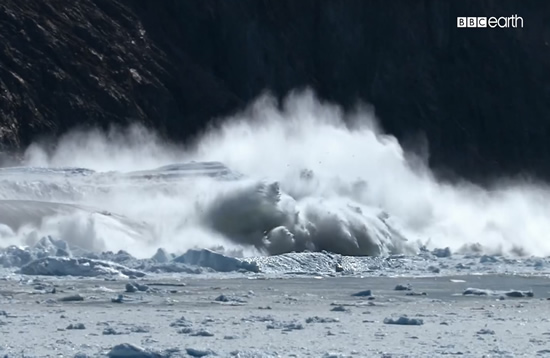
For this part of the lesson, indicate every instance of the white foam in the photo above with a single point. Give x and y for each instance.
(310, 183)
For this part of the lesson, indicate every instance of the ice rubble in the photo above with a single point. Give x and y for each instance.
(216, 261)
(50, 256)
(66, 266)
(54, 257)
(14, 256)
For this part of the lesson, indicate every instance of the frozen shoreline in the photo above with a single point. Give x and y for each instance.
(282, 317)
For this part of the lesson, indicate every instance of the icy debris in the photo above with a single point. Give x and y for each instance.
(127, 350)
(340, 309)
(477, 292)
(485, 292)
(14, 256)
(162, 256)
(446, 252)
(72, 298)
(403, 288)
(141, 288)
(202, 333)
(255, 353)
(268, 318)
(63, 266)
(488, 259)
(118, 299)
(285, 326)
(405, 321)
(199, 352)
(224, 298)
(175, 267)
(365, 293)
(167, 284)
(318, 319)
(519, 294)
(76, 326)
(334, 355)
(118, 257)
(416, 294)
(486, 331)
(135, 287)
(216, 261)
(48, 246)
(181, 322)
(111, 332)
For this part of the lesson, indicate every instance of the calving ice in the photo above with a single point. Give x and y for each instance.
(502, 22)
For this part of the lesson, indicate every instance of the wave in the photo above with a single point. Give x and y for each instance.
(301, 175)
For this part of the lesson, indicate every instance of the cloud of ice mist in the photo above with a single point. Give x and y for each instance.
(120, 149)
(318, 178)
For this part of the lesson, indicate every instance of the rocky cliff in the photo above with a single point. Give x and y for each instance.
(480, 96)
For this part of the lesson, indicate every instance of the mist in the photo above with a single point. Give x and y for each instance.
(314, 177)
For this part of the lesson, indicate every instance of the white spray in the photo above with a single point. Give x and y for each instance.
(315, 178)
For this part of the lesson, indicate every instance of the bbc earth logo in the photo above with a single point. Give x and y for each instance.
(502, 22)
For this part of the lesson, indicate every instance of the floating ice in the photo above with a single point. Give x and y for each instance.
(405, 321)
(162, 256)
(64, 266)
(216, 261)
(365, 293)
(486, 292)
(127, 350)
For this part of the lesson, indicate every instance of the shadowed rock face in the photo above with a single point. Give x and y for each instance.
(481, 97)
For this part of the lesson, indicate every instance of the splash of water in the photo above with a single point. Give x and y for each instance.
(315, 178)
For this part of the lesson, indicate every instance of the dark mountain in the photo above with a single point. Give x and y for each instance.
(480, 96)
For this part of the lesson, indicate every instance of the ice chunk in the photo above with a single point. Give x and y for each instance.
(198, 352)
(161, 256)
(127, 350)
(446, 252)
(486, 292)
(48, 246)
(405, 321)
(216, 261)
(14, 256)
(365, 293)
(64, 266)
